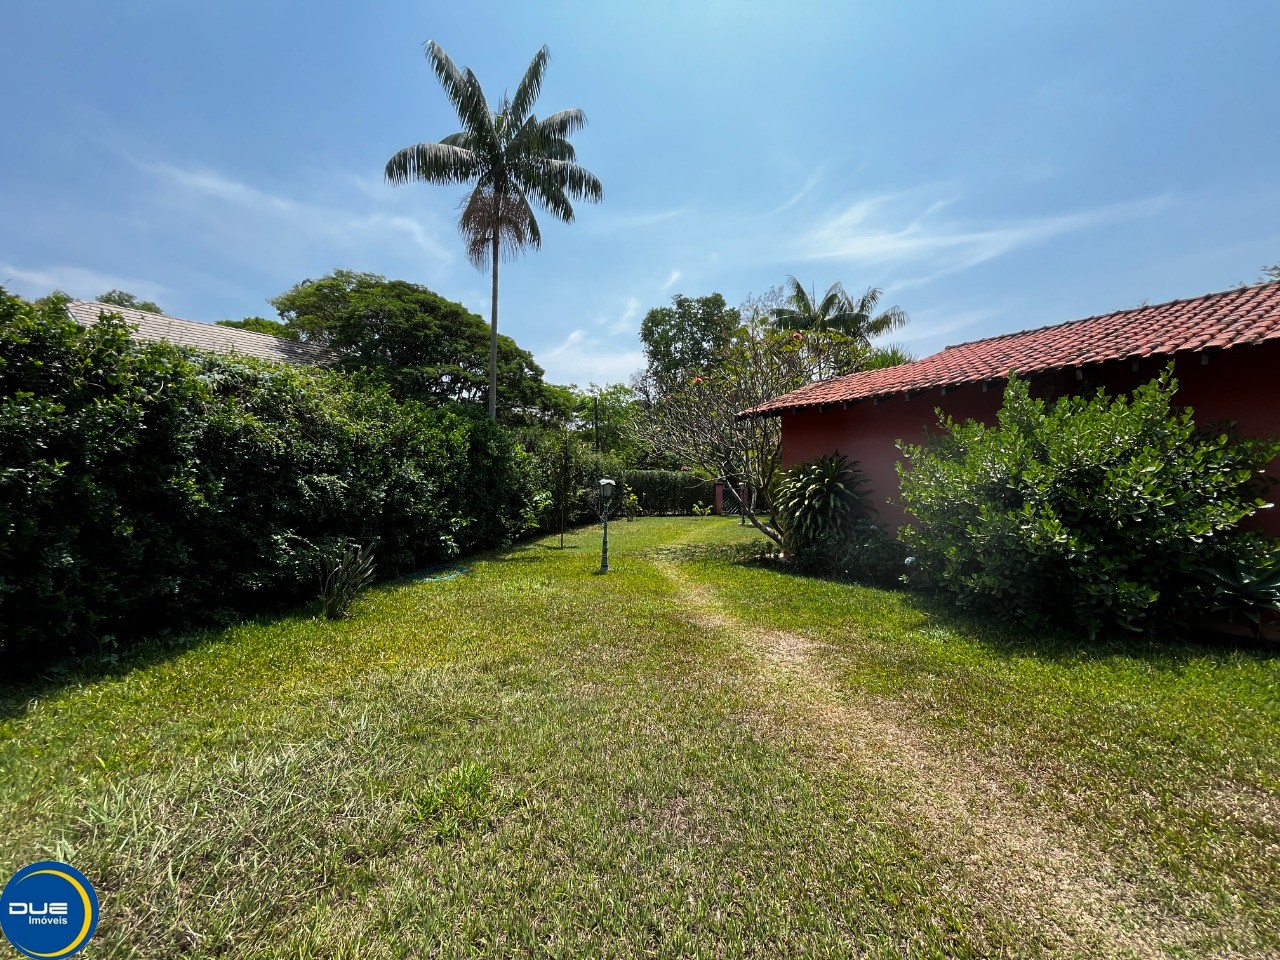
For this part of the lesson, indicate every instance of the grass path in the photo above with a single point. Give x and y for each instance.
(1005, 853)
(690, 757)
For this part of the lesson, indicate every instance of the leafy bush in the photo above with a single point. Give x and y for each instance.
(563, 466)
(1089, 513)
(668, 492)
(143, 486)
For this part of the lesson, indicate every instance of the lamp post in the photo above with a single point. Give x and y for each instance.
(742, 504)
(606, 500)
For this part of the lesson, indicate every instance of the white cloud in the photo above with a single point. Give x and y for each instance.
(800, 194)
(268, 229)
(77, 281)
(882, 231)
(624, 323)
(582, 358)
(616, 222)
(672, 280)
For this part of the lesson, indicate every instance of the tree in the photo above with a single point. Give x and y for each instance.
(272, 328)
(512, 158)
(692, 416)
(1271, 273)
(837, 313)
(122, 298)
(686, 338)
(606, 417)
(421, 345)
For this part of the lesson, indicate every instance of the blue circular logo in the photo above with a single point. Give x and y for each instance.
(48, 910)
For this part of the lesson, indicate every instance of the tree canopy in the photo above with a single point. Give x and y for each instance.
(421, 345)
(123, 298)
(686, 338)
(272, 328)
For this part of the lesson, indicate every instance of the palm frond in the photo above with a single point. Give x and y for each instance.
(487, 214)
(433, 163)
(798, 312)
(530, 86)
(872, 324)
(463, 90)
(565, 123)
(578, 182)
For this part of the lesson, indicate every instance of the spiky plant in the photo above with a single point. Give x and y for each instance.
(822, 510)
(348, 571)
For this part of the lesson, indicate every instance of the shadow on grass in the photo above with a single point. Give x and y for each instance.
(39, 682)
(26, 683)
(1167, 652)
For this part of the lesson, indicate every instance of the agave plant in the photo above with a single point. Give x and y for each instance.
(822, 509)
(349, 570)
(1246, 588)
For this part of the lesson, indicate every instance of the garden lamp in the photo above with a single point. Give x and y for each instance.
(606, 500)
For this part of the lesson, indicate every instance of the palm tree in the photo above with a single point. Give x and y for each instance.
(837, 312)
(843, 327)
(511, 157)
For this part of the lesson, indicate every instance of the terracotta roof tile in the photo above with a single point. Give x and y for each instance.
(1216, 320)
(204, 336)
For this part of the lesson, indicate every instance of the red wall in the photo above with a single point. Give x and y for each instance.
(1241, 384)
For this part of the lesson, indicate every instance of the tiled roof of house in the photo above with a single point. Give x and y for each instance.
(204, 336)
(1212, 322)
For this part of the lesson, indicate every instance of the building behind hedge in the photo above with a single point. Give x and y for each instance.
(1225, 348)
(202, 336)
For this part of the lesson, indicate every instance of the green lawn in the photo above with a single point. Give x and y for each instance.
(689, 757)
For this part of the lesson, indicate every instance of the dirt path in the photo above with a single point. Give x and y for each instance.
(957, 806)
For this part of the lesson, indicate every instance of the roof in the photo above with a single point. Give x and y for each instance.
(203, 336)
(1215, 321)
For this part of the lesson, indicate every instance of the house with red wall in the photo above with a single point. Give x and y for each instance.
(1225, 348)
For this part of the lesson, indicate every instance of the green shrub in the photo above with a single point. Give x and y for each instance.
(143, 487)
(570, 472)
(1246, 586)
(827, 524)
(1088, 513)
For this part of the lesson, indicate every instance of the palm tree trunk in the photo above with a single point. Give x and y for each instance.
(493, 335)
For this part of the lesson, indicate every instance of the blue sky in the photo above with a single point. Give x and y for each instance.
(992, 166)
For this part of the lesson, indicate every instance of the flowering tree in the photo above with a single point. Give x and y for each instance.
(694, 418)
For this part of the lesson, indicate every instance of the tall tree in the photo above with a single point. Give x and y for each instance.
(687, 337)
(842, 325)
(512, 158)
(837, 312)
(417, 343)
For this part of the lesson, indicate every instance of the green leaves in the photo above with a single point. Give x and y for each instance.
(144, 487)
(821, 509)
(1091, 513)
(348, 572)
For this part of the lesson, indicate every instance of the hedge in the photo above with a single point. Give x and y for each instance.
(144, 487)
(668, 492)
